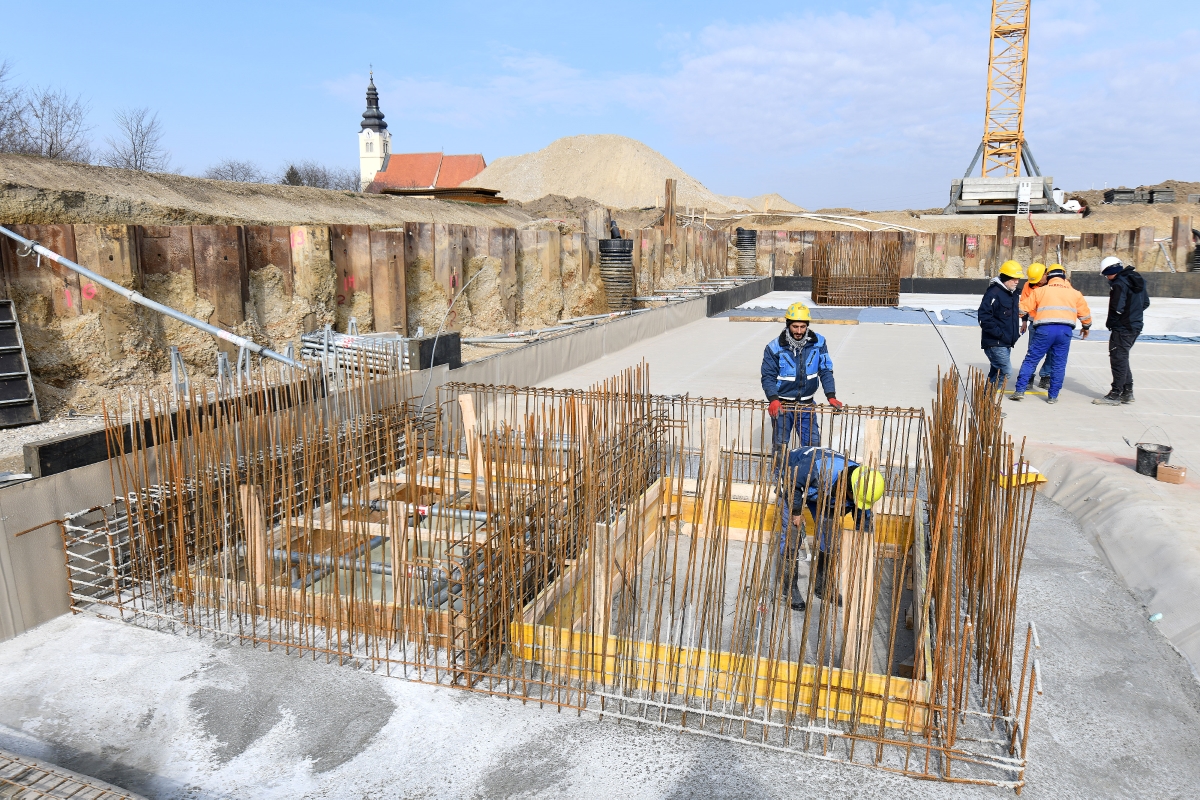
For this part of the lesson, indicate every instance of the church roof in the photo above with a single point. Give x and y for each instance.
(428, 170)
(372, 118)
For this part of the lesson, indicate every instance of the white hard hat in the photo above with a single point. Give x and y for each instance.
(1110, 261)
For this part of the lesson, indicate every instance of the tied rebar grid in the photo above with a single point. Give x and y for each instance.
(850, 271)
(604, 550)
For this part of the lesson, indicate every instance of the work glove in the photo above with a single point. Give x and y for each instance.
(1083, 333)
(773, 409)
(837, 404)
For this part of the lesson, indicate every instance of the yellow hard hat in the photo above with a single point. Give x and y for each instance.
(867, 486)
(1053, 267)
(1011, 269)
(1036, 272)
(798, 312)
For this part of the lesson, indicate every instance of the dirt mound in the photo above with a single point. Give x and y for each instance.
(41, 191)
(615, 171)
(764, 203)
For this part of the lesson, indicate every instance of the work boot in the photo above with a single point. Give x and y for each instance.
(1110, 399)
(1127, 397)
(797, 595)
(1017, 396)
(1051, 400)
(1044, 382)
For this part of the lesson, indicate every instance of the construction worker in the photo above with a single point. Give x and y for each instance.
(1127, 300)
(1052, 309)
(830, 486)
(791, 366)
(1037, 277)
(999, 317)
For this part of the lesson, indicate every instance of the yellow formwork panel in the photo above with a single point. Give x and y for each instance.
(891, 530)
(721, 676)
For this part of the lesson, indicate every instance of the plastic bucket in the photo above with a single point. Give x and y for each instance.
(1149, 456)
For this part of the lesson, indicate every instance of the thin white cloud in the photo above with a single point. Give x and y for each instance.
(856, 105)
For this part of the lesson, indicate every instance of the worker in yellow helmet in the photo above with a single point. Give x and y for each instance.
(999, 318)
(1053, 310)
(792, 364)
(830, 485)
(1037, 277)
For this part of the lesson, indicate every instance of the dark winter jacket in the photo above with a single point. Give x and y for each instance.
(785, 379)
(1127, 299)
(1000, 315)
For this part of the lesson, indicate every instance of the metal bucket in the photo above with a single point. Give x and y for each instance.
(1149, 456)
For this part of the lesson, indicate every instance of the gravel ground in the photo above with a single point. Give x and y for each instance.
(12, 440)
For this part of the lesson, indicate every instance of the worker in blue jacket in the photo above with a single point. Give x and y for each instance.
(791, 366)
(1000, 320)
(830, 486)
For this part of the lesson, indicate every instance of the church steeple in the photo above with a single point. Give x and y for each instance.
(374, 140)
(372, 118)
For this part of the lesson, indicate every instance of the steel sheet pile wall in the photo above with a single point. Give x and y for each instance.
(603, 550)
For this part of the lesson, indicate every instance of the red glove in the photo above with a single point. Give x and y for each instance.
(773, 409)
(837, 404)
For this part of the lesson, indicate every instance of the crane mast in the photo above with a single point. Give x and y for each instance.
(1004, 126)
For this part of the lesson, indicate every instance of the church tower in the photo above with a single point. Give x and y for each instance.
(374, 141)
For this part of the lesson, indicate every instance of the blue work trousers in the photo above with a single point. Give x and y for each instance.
(1001, 366)
(1052, 339)
(784, 423)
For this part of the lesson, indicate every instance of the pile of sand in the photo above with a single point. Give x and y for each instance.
(615, 171)
(42, 191)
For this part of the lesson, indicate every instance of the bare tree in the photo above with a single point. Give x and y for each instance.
(138, 143)
(231, 169)
(56, 125)
(310, 173)
(14, 123)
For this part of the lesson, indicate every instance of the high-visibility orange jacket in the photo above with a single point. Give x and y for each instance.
(1056, 303)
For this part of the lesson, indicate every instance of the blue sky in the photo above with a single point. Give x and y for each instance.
(863, 104)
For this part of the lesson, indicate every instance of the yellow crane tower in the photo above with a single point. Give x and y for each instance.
(1000, 188)
(1004, 126)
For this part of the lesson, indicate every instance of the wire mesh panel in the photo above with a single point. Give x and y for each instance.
(856, 270)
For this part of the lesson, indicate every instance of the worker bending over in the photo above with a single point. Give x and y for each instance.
(1052, 309)
(830, 486)
(791, 366)
(1037, 277)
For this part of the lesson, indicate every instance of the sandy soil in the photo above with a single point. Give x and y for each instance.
(40, 191)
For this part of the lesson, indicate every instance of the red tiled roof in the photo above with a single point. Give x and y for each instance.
(426, 170)
(458, 169)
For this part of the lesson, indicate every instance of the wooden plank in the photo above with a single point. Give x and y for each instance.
(856, 572)
(1006, 227)
(669, 211)
(970, 251)
(387, 280)
(258, 546)
(49, 280)
(939, 248)
(954, 245)
(1181, 242)
(220, 264)
(987, 254)
(1143, 245)
(165, 249)
(1108, 244)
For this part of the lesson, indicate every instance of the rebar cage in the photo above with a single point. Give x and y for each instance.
(606, 550)
(856, 272)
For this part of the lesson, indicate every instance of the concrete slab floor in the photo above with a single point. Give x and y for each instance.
(176, 717)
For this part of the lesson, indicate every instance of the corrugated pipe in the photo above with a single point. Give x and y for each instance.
(136, 297)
